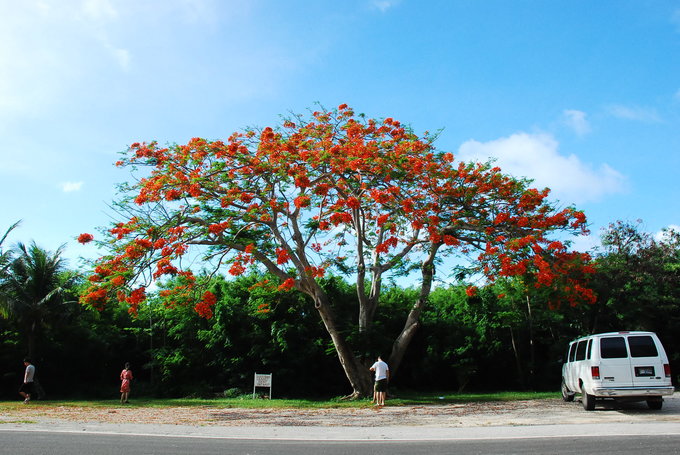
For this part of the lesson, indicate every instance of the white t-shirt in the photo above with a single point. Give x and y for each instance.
(30, 372)
(380, 369)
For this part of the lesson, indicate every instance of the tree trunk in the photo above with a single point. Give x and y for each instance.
(518, 361)
(358, 375)
(368, 303)
(412, 323)
(32, 336)
(532, 350)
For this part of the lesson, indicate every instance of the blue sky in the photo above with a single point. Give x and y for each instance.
(581, 96)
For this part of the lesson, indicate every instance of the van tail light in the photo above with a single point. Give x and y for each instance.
(595, 372)
(667, 370)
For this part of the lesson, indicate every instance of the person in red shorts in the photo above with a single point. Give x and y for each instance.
(125, 378)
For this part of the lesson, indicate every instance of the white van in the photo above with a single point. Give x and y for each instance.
(625, 366)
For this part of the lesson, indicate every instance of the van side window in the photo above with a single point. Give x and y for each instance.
(642, 346)
(572, 352)
(581, 350)
(590, 348)
(613, 348)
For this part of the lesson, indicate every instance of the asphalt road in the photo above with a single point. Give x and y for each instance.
(60, 443)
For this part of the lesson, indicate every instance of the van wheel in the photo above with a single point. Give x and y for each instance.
(566, 394)
(588, 401)
(655, 403)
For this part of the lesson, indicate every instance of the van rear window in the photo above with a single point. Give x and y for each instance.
(613, 348)
(642, 346)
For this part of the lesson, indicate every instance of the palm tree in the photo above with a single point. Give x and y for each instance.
(34, 288)
(6, 255)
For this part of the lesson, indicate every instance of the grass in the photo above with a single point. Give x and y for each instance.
(246, 401)
(461, 398)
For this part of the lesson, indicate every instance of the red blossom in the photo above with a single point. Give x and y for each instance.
(353, 202)
(218, 228)
(500, 218)
(204, 307)
(282, 256)
(451, 240)
(302, 201)
(302, 181)
(237, 269)
(287, 285)
(340, 217)
(263, 308)
(315, 272)
(85, 238)
(173, 194)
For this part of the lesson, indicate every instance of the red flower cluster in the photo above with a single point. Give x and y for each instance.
(85, 238)
(287, 285)
(471, 291)
(205, 306)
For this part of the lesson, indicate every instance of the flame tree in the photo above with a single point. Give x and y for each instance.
(329, 192)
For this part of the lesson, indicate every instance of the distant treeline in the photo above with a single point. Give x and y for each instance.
(503, 337)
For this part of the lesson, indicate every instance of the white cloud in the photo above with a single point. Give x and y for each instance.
(205, 11)
(99, 9)
(384, 5)
(53, 52)
(123, 58)
(42, 52)
(537, 157)
(69, 187)
(576, 120)
(636, 113)
(585, 242)
(663, 235)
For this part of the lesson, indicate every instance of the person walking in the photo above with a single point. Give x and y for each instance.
(27, 388)
(125, 383)
(382, 377)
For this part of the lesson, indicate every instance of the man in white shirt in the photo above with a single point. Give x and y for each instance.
(382, 377)
(27, 387)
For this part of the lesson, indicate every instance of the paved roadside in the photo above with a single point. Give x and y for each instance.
(357, 433)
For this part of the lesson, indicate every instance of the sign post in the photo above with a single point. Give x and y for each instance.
(262, 380)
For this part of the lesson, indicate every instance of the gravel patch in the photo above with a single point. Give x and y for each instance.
(514, 413)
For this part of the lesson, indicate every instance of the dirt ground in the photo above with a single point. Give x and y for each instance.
(531, 412)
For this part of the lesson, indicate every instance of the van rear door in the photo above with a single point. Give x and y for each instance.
(615, 366)
(646, 361)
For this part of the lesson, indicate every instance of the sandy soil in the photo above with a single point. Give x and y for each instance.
(532, 412)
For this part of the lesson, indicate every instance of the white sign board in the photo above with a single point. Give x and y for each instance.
(262, 380)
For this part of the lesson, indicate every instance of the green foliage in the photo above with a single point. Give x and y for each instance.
(639, 285)
(505, 335)
(253, 330)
